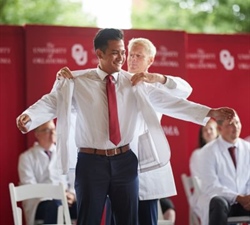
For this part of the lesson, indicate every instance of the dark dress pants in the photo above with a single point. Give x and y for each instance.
(47, 211)
(98, 176)
(220, 210)
(148, 212)
(109, 220)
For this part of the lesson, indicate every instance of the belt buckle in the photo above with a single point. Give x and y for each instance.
(112, 154)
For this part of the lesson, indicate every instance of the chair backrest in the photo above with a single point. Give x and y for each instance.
(238, 220)
(189, 188)
(188, 185)
(197, 184)
(161, 220)
(164, 222)
(31, 191)
(160, 215)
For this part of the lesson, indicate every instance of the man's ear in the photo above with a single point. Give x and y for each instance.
(219, 128)
(151, 60)
(99, 53)
(36, 134)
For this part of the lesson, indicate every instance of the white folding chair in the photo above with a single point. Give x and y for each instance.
(164, 222)
(161, 220)
(239, 220)
(188, 185)
(231, 220)
(31, 191)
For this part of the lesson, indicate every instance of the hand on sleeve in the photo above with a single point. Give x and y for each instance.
(21, 122)
(64, 73)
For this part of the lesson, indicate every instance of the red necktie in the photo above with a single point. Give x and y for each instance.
(114, 128)
(232, 153)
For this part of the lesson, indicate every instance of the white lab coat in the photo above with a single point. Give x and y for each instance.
(60, 106)
(35, 167)
(219, 176)
(195, 163)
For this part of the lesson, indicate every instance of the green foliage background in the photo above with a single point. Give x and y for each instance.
(52, 12)
(204, 16)
(194, 16)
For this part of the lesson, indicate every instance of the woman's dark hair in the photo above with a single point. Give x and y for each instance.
(201, 140)
(104, 35)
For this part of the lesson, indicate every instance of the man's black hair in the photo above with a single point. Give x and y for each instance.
(104, 35)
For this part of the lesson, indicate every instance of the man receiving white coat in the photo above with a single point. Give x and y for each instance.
(141, 54)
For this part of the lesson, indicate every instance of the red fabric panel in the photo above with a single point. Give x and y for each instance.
(218, 68)
(12, 101)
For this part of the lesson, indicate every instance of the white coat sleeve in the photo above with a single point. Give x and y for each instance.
(42, 111)
(176, 107)
(178, 87)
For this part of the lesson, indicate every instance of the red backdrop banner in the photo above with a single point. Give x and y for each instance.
(12, 102)
(218, 68)
(49, 48)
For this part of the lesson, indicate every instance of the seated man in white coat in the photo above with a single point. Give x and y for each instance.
(39, 165)
(225, 181)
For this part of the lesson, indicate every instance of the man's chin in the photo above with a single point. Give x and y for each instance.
(132, 70)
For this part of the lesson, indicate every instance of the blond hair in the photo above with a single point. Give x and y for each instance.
(149, 46)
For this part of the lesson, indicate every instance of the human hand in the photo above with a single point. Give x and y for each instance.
(21, 122)
(148, 77)
(70, 198)
(223, 113)
(244, 201)
(64, 73)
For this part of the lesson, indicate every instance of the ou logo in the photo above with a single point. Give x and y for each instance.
(226, 59)
(79, 54)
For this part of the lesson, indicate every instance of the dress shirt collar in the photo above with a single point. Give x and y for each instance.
(103, 74)
(38, 147)
(226, 144)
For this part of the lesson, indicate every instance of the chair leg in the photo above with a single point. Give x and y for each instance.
(60, 215)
